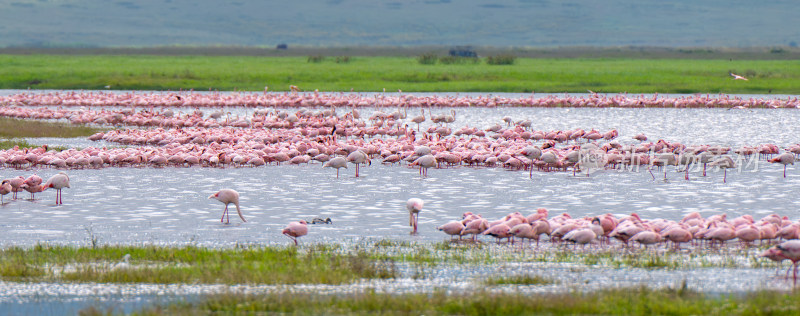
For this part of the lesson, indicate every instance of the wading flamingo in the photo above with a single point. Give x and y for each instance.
(358, 157)
(228, 196)
(790, 249)
(424, 163)
(58, 182)
(784, 159)
(295, 230)
(338, 163)
(414, 206)
(5, 188)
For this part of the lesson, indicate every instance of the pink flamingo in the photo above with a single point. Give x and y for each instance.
(32, 189)
(414, 206)
(338, 163)
(16, 184)
(58, 182)
(358, 157)
(790, 249)
(784, 159)
(295, 230)
(452, 228)
(5, 188)
(424, 163)
(228, 196)
(737, 77)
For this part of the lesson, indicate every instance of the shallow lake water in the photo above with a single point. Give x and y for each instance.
(170, 206)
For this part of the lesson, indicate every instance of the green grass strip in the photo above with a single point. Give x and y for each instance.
(150, 264)
(630, 301)
(15, 128)
(252, 73)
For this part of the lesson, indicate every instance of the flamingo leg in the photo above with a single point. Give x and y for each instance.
(725, 176)
(784, 171)
(223, 213)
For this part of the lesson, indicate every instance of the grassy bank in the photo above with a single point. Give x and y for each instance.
(546, 75)
(164, 265)
(636, 301)
(14, 128)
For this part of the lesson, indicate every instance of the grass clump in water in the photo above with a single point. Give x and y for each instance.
(524, 279)
(14, 128)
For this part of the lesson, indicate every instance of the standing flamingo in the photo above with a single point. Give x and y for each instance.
(32, 189)
(784, 159)
(5, 188)
(338, 163)
(419, 119)
(58, 182)
(424, 163)
(358, 157)
(790, 249)
(228, 196)
(16, 184)
(295, 230)
(414, 206)
(724, 162)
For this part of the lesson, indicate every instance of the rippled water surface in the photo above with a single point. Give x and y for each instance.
(169, 206)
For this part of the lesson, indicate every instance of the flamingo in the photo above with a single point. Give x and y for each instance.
(725, 162)
(424, 163)
(295, 230)
(784, 159)
(337, 163)
(737, 77)
(790, 249)
(452, 228)
(419, 119)
(58, 182)
(32, 189)
(15, 185)
(5, 188)
(358, 157)
(228, 196)
(414, 206)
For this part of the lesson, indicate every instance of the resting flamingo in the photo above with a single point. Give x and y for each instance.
(228, 196)
(414, 206)
(295, 230)
(16, 184)
(58, 182)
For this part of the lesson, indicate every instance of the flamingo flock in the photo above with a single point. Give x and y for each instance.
(601, 230)
(213, 99)
(33, 184)
(161, 138)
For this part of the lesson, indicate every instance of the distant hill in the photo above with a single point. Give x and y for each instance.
(520, 23)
